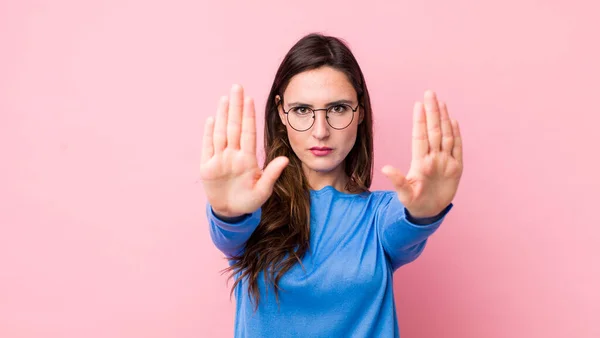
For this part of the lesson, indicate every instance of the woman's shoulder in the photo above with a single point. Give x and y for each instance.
(384, 194)
(386, 199)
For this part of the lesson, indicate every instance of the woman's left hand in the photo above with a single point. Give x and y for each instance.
(437, 161)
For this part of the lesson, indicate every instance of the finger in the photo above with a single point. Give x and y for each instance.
(207, 142)
(447, 134)
(401, 184)
(433, 121)
(220, 133)
(234, 122)
(420, 143)
(271, 174)
(248, 137)
(457, 150)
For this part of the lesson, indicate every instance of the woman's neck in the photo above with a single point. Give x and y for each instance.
(336, 178)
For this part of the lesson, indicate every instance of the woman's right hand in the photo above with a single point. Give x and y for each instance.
(233, 182)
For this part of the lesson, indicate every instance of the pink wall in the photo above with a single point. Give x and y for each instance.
(102, 226)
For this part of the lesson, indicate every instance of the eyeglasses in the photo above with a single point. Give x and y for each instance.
(338, 116)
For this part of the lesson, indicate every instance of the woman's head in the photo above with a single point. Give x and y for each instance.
(318, 72)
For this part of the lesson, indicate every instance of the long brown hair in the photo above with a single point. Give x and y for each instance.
(282, 236)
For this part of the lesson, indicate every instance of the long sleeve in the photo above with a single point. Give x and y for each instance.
(230, 237)
(426, 220)
(402, 239)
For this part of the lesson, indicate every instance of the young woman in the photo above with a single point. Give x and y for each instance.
(313, 251)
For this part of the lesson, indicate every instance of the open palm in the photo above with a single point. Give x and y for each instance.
(233, 182)
(437, 163)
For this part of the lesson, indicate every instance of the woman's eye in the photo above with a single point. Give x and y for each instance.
(339, 109)
(300, 110)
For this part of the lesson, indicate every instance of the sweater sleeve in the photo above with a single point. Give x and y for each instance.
(230, 236)
(403, 239)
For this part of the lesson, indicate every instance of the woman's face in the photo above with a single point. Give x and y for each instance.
(323, 87)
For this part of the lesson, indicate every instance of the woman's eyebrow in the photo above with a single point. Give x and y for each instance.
(298, 103)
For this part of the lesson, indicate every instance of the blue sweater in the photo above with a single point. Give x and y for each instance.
(357, 241)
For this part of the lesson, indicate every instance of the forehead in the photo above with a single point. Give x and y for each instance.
(319, 86)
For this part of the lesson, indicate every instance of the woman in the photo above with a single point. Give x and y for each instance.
(313, 251)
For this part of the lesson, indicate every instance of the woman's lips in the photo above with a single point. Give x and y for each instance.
(320, 151)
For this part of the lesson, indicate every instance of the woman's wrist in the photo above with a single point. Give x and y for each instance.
(229, 218)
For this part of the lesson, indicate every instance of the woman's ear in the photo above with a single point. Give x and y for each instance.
(361, 115)
(279, 106)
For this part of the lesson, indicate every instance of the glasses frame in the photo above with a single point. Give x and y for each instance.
(314, 110)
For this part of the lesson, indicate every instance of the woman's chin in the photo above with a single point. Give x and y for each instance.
(322, 167)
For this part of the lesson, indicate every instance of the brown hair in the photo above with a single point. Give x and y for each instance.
(282, 237)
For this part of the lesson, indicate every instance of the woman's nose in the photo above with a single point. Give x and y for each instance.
(320, 128)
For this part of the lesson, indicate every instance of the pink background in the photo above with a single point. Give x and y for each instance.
(102, 224)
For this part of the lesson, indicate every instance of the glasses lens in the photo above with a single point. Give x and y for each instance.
(300, 118)
(340, 116)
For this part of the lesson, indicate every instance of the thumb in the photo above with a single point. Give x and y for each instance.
(400, 182)
(271, 174)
